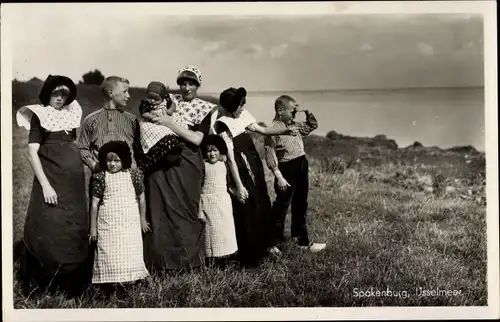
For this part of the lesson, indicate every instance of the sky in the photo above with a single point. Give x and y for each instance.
(269, 53)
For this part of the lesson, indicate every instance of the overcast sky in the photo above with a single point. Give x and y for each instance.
(260, 53)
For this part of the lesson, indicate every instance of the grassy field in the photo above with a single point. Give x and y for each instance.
(395, 219)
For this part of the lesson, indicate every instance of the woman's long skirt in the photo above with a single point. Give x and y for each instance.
(56, 237)
(177, 239)
(252, 218)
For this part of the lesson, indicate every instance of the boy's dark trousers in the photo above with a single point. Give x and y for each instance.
(296, 173)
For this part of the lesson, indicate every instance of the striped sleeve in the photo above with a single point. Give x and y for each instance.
(309, 125)
(84, 144)
(270, 152)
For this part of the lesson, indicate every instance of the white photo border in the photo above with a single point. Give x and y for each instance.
(485, 8)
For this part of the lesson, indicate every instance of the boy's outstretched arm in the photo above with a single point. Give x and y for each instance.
(269, 130)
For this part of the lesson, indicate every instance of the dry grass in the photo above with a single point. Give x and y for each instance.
(381, 234)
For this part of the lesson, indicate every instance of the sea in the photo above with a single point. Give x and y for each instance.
(443, 117)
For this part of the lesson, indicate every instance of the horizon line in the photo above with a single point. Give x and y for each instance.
(308, 90)
(360, 89)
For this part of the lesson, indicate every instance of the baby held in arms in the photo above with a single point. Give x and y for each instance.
(160, 145)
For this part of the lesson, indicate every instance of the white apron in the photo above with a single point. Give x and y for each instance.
(220, 234)
(119, 253)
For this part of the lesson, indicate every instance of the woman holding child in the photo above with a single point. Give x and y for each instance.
(173, 192)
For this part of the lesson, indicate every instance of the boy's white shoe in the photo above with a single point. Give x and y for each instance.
(314, 247)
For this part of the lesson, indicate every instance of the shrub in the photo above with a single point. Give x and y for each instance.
(332, 135)
(417, 144)
(463, 149)
(389, 144)
(94, 77)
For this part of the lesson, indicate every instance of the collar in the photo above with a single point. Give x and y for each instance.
(276, 119)
(180, 99)
(113, 109)
(104, 107)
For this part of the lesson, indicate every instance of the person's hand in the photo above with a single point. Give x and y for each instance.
(148, 116)
(145, 226)
(162, 120)
(49, 195)
(282, 184)
(232, 191)
(242, 194)
(201, 214)
(93, 235)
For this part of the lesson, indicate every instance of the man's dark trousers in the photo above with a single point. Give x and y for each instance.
(296, 173)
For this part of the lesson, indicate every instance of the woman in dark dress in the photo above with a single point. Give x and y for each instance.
(173, 190)
(252, 217)
(57, 224)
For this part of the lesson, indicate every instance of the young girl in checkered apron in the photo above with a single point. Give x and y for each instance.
(118, 214)
(215, 205)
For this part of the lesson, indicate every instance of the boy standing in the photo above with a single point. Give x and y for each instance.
(109, 123)
(286, 158)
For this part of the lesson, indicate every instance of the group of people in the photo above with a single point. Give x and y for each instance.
(180, 187)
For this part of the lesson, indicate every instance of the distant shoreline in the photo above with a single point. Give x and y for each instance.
(338, 90)
(310, 91)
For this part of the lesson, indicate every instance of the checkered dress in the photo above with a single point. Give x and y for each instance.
(119, 254)
(220, 235)
(152, 133)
